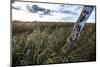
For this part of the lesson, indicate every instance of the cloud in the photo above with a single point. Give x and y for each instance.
(47, 12)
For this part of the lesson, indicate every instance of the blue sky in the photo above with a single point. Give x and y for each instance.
(24, 11)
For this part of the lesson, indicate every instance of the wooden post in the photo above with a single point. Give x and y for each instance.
(86, 12)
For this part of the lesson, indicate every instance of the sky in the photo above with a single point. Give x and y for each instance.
(25, 11)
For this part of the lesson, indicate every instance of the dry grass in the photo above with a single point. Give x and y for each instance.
(46, 43)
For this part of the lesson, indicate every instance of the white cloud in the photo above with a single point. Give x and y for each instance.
(24, 15)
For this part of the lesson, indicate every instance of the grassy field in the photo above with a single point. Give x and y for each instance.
(46, 43)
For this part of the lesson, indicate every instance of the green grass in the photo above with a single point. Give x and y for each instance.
(47, 44)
